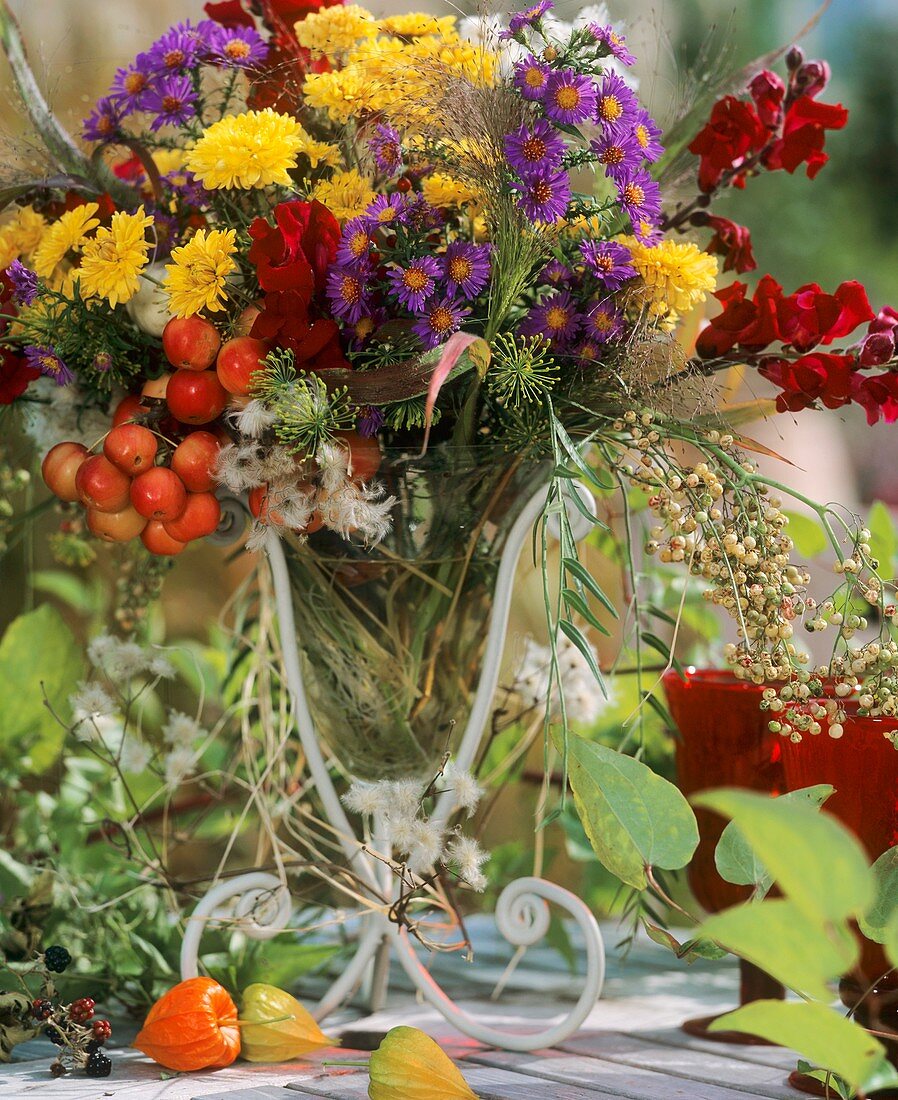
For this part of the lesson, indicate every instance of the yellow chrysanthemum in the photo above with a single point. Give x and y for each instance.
(169, 160)
(254, 149)
(335, 30)
(676, 276)
(345, 194)
(443, 191)
(112, 261)
(21, 235)
(343, 94)
(196, 279)
(66, 235)
(320, 152)
(414, 24)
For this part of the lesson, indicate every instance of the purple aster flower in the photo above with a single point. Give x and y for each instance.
(48, 363)
(420, 215)
(347, 293)
(646, 133)
(387, 210)
(102, 361)
(555, 273)
(611, 263)
(177, 49)
(438, 320)
(616, 105)
(183, 183)
(527, 18)
(619, 152)
(534, 149)
(588, 352)
(570, 97)
(104, 123)
(240, 47)
(172, 101)
(640, 196)
(387, 149)
(415, 283)
(604, 322)
(369, 422)
(367, 324)
(613, 42)
(131, 86)
(355, 243)
(24, 283)
(531, 77)
(466, 267)
(556, 319)
(544, 198)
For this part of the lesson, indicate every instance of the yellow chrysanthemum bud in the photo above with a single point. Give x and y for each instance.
(274, 1027)
(409, 1065)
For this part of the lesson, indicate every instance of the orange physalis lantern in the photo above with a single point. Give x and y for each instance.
(193, 1026)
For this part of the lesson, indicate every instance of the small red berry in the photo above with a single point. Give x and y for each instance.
(82, 1010)
(403, 185)
(102, 1030)
(41, 1009)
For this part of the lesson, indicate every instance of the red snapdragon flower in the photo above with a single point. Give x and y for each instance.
(295, 253)
(733, 242)
(804, 135)
(753, 323)
(877, 394)
(15, 376)
(768, 91)
(732, 134)
(819, 376)
(810, 317)
(229, 13)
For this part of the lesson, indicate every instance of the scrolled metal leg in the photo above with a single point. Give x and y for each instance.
(522, 918)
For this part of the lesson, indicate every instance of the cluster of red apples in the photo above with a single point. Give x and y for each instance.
(153, 477)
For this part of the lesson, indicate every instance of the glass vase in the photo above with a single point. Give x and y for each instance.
(391, 636)
(723, 742)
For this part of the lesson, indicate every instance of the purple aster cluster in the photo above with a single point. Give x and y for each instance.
(568, 95)
(520, 21)
(157, 81)
(24, 283)
(610, 263)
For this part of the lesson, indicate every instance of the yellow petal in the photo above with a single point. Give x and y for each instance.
(409, 1065)
(274, 1027)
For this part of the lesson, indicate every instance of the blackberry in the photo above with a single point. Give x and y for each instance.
(102, 1030)
(57, 1069)
(93, 1046)
(98, 1065)
(54, 1035)
(82, 1010)
(56, 958)
(41, 1009)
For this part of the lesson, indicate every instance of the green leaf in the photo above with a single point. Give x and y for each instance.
(585, 649)
(883, 540)
(884, 910)
(779, 938)
(70, 589)
(37, 649)
(816, 861)
(583, 575)
(635, 820)
(890, 940)
(577, 603)
(820, 1034)
(808, 536)
(734, 858)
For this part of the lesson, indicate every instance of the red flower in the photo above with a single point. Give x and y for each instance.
(284, 319)
(804, 134)
(809, 317)
(732, 241)
(295, 254)
(877, 348)
(229, 13)
(751, 324)
(768, 91)
(815, 377)
(732, 134)
(15, 376)
(878, 395)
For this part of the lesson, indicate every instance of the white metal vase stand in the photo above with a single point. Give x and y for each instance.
(261, 905)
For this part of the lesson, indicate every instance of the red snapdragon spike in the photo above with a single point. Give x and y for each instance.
(812, 77)
(819, 376)
(810, 317)
(768, 91)
(884, 321)
(804, 135)
(732, 134)
(733, 242)
(295, 254)
(229, 13)
(877, 349)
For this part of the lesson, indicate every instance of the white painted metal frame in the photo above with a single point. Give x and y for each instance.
(261, 904)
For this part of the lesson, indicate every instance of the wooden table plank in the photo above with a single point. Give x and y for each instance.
(488, 1082)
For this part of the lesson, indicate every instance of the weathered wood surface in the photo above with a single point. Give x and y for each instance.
(630, 1047)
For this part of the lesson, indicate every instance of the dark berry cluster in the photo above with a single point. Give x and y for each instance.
(72, 1027)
